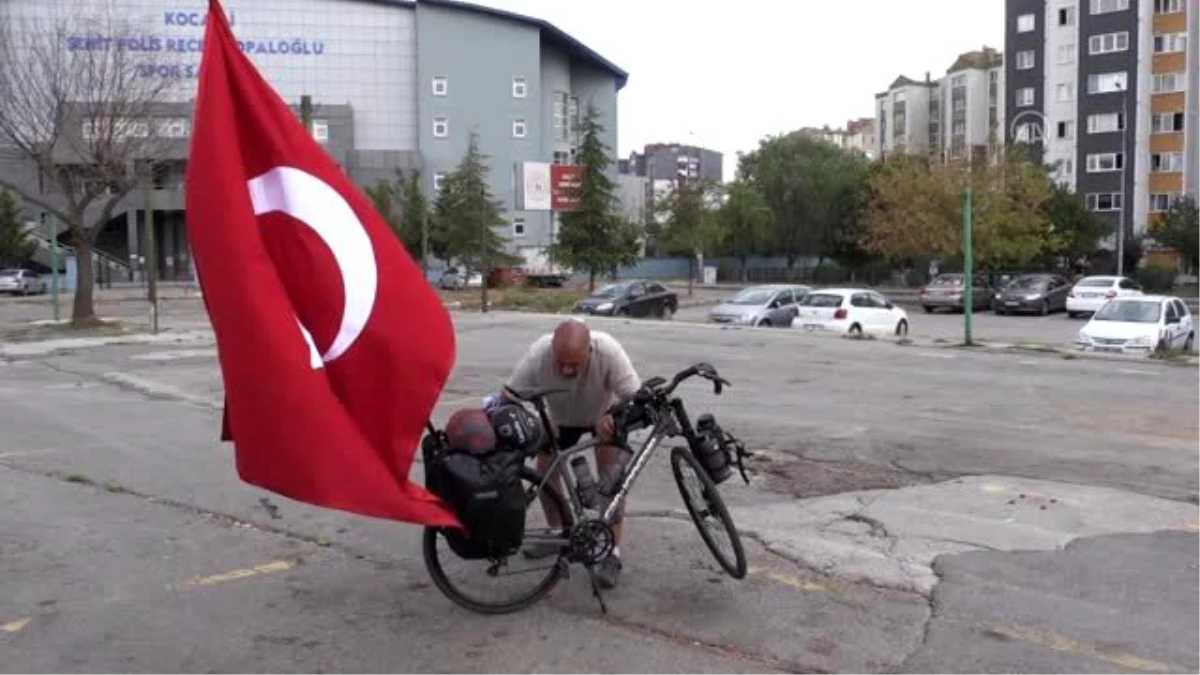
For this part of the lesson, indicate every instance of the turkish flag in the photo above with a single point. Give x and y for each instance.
(334, 348)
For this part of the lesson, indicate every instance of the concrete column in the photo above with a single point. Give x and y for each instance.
(170, 252)
(134, 242)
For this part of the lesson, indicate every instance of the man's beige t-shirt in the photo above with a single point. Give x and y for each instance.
(609, 374)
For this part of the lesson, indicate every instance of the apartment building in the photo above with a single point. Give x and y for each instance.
(949, 118)
(857, 135)
(1106, 91)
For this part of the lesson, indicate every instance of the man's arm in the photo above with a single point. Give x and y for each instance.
(623, 379)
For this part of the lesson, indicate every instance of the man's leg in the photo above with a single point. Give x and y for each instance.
(607, 461)
(567, 437)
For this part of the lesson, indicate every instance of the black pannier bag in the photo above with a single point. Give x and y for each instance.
(484, 490)
(713, 449)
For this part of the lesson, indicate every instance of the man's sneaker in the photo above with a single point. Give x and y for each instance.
(607, 571)
(541, 549)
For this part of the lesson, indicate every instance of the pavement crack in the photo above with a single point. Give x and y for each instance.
(135, 385)
(934, 612)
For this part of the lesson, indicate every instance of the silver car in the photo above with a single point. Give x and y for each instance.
(768, 305)
(21, 282)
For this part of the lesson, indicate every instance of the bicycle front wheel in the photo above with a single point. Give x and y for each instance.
(511, 584)
(708, 512)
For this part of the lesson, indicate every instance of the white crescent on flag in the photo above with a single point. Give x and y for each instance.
(315, 203)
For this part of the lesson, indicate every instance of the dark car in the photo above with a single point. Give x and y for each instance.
(630, 298)
(1037, 293)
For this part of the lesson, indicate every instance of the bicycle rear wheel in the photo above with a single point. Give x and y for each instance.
(708, 512)
(547, 571)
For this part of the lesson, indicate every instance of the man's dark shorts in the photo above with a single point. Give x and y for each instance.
(569, 436)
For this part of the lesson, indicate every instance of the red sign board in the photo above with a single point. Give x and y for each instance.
(565, 182)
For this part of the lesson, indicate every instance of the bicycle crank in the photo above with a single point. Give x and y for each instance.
(591, 542)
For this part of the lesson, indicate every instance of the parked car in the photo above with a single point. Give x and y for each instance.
(1090, 293)
(630, 298)
(768, 305)
(1139, 324)
(1040, 293)
(21, 282)
(852, 311)
(947, 290)
(455, 279)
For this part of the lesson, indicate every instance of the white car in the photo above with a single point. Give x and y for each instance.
(1090, 293)
(850, 311)
(1139, 325)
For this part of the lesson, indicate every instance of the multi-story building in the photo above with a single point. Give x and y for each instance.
(669, 161)
(1106, 90)
(394, 84)
(857, 135)
(950, 118)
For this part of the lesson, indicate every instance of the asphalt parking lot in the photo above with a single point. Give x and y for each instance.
(913, 508)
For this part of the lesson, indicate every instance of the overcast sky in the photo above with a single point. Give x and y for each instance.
(733, 72)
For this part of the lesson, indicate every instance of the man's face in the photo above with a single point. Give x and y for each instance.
(571, 361)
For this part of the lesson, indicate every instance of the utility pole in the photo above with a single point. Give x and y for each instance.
(151, 252)
(1124, 163)
(968, 266)
(483, 252)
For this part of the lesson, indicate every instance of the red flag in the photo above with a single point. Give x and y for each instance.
(333, 346)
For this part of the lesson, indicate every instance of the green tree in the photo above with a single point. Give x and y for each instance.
(746, 223)
(811, 186)
(467, 215)
(416, 216)
(1077, 230)
(595, 237)
(15, 245)
(1179, 229)
(690, 222)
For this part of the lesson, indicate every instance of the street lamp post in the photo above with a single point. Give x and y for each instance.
(1124, 164)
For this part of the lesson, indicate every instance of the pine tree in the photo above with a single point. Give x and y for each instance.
(466, 214)
(15, 245)
(595, 237)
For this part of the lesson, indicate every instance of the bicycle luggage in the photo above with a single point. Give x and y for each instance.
(484, 490)
(712, 449)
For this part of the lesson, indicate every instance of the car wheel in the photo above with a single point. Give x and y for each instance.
(902, 328)
(1044, 310)
(667, 312)
(1190, 343)
(855, 331)
(765, 323)
(998, 310)
(928, 309)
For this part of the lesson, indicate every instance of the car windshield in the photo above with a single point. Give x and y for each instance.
(1130, 311)
(610, 291)
(947, 280)
(821, 300)
(1101, 282)
(1028, 283)
(752, 296)
(9, 273)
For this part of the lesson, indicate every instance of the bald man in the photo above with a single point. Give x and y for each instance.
(594, 369)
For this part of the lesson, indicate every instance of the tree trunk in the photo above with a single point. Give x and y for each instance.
(691, 273)
(745, 262)
(83, 311)
(591, 279)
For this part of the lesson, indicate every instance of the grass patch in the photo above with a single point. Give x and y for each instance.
(77, 478)
(1067, 356)
(519, 299)
(1169, 355)
(904, 342)
(1036, 347)
(36, 332)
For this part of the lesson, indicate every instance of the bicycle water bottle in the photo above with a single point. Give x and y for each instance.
(585, 484)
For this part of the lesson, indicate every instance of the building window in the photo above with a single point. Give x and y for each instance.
(561, 127)
(1170, 42)
(1166, 162)
(519, 88)
(1166, 123)
(1105, 122)
(1101, 162)
(1025, 96)
(320, 131)
(441, 127)
(1162, 201)
(1108, 43)
(1106, 6)
(1026, 23)
(518, 128)
(1066, 130)
(562, 157)
(441, 85)
(1025, 60)
(1066, 53)
(1065, 91)
(438, 179)
(1066, 16)
(1165, 83)
(1104, 201)
(1168, 6)
(518, 226)
(1105, 83)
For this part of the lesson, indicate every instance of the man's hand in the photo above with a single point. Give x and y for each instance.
(605, 428)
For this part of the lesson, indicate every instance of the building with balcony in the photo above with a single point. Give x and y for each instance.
(394, 84)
